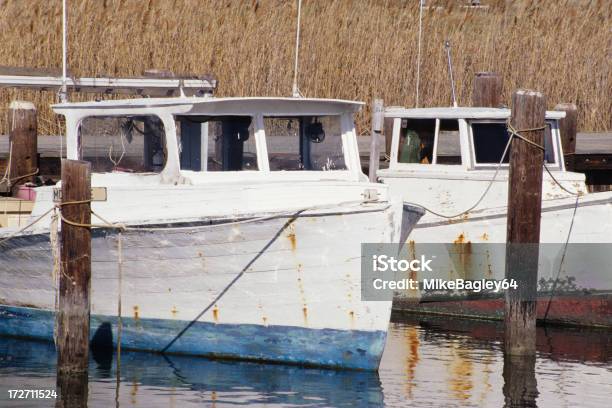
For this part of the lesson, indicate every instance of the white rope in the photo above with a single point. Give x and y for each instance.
(123, 227)
(7, 170)
(55, 273)
(482, 196)
(296, 90)
(17, 232)
(418, 78)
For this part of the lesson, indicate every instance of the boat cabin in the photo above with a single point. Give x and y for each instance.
(463, 138)
(192, 139)
(444, 158)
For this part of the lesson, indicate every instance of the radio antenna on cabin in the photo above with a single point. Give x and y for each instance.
(447, 46)
(296, 90)
(63, 93)
(418, 78)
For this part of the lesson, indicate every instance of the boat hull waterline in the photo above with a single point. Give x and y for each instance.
(281, 289)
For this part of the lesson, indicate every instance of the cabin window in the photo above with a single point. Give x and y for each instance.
(226, 142)
(133, 144)
(416, 141)
(448, 150)
(305, 143)
(490, 139)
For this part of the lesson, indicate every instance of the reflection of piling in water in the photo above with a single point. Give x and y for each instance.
(73, 389)
(520, 385)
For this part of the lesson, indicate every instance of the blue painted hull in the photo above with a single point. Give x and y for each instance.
(350, 349)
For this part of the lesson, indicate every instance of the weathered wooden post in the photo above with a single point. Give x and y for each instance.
(568, 127)
(23, 142)
(487, 90)
(377, 125)
(523, 224)
(74, 283)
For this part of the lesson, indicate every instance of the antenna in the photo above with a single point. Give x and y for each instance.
(63, 91)
(296, 90)
(450, 71)
(421, 3)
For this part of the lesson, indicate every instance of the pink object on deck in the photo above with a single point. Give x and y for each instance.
(26, 193)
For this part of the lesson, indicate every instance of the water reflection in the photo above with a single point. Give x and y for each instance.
(148, 379)
(520, 385)
(72, 390)
(460, 363)
(427, 362)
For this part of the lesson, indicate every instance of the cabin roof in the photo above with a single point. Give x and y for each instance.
(220, 106)
(457, 113)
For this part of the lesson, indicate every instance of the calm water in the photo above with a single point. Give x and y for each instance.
(427, 362)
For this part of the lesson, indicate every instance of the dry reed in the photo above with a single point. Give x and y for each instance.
(350, 49)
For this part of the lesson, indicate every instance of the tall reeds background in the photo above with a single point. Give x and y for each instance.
(349, 49)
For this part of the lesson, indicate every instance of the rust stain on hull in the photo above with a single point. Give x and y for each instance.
(216, 314)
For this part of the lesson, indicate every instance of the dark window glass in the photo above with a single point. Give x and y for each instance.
(416, 141)
(227, 142)
(490, 139)
(135, 144)
(305, 143)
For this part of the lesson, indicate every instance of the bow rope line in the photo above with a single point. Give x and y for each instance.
(123, 227)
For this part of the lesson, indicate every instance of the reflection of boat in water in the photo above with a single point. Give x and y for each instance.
(245, 218)
(166, 379)
(556, 343)
(460, 362)
(447, 158)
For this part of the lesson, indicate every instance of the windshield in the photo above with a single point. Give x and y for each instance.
(490, 139)
(304, 143)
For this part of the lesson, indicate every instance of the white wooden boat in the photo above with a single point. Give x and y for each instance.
(445, 158)
(247, 215)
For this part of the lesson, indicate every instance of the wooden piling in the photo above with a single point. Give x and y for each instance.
(377, 126)
(74, 282)
(487, 90)
(568, 127)
(23, 142)
(523, 223)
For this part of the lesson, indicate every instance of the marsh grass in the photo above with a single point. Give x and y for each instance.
(350, 49)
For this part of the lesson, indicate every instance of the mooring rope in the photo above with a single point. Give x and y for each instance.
(513, 133)
(7, 176)
(17, 232)
(569, 233)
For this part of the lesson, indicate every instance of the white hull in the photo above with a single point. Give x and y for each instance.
(592, 224)
(298, 270)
